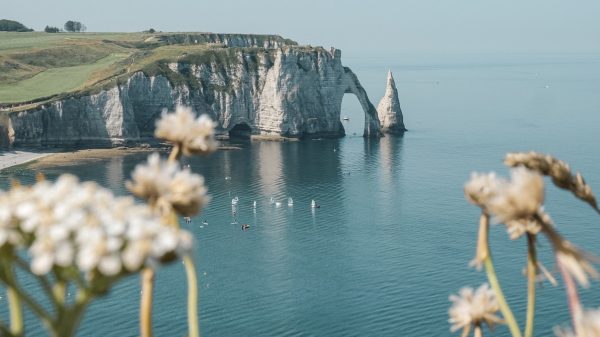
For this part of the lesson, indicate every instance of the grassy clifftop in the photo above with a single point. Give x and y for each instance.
(38, 67)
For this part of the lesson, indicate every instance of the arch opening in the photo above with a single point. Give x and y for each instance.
(352, 116)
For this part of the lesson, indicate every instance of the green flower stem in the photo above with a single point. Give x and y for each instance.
(531, 271)
(506, 312)
(67, 323)
(491, 275)
(16, 312)
(59, 291)
(15, 308)
(146, 302)
(27, 300)
(192, 281)
(43, 281)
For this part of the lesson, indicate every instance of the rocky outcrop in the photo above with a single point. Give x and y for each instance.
(388, 110)
(290, 91)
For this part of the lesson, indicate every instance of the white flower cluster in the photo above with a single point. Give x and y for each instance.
(473, 307)
(164, 184)
(68, 223)
(191, 134)
(512, 202)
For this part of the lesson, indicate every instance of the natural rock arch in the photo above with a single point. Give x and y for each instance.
(303, 92)
(353, 86)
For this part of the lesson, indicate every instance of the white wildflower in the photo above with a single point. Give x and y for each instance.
(521, 198)
(162, 183)
(192, 135)
(473, 307)
(588, 326)
(517, 203)
(481, 188)
(9, 231)
(68, 223)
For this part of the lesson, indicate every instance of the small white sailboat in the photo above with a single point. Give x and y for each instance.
(234, 201)
(278, 204)
(254, 204)
(290, 202)
(313, 204)
(272, 200)
(346, 118)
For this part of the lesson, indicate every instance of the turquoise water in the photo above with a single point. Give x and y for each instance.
(394, 235)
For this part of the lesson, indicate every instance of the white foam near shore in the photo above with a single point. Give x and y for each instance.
(12, 158)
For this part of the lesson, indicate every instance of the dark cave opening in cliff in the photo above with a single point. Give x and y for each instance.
(240, 131)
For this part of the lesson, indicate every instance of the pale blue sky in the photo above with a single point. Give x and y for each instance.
(352, 25)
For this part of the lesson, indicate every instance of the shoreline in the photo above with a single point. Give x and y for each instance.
(50, 157)
(19, 157)
(57, 157)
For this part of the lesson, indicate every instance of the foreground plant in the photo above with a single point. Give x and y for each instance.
(174, 192)
(76, 235)
(518, 204)
(587, 326)
(473, 308)
(73, 235)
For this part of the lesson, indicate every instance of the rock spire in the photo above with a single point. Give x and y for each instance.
(388, 110)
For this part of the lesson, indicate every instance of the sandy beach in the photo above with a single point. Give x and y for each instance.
(60, 157)
(18, 157)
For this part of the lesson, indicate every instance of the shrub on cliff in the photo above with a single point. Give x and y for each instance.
(13, 26)
(50, 29)
(74, 26)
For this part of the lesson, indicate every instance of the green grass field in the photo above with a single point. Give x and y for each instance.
(35, 67)
(55, 80)
(14, 42)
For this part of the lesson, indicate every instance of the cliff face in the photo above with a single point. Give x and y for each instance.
(290, 91)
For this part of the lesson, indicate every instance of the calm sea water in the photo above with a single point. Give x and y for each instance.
(394, 235)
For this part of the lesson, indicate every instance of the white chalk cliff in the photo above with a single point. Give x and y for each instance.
(388, 109)
(288, 91)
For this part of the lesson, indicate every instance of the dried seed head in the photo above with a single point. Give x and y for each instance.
(558, 170)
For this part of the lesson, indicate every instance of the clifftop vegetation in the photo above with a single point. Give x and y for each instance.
(38, 67)
(13, 26)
